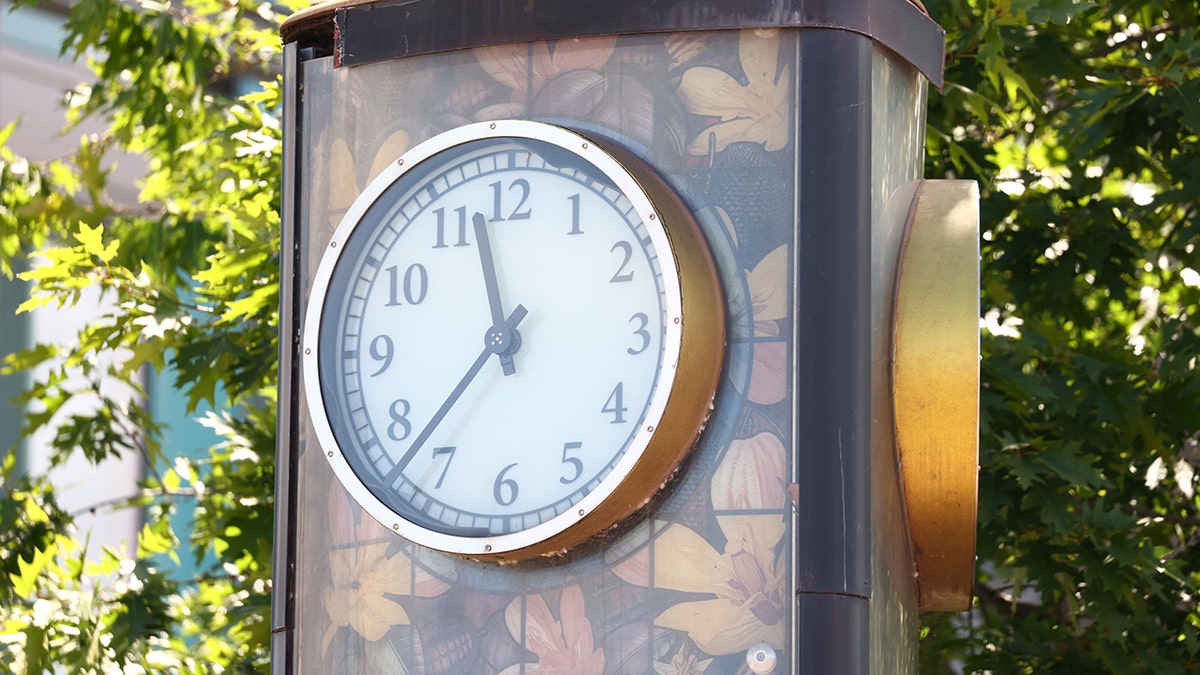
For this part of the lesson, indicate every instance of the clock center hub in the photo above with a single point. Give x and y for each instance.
(502, 340)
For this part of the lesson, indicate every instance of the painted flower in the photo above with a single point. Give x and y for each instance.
(768, 292)
(768, 375)
(343, 172)
(526, 68)
(683, 664)
(768, 286)
(686, 47)
(363, 576)
(752, 475)
(748, 577)
(564, 646)
(755, 112)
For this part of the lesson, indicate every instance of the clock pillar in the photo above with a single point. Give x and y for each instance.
(831, 495)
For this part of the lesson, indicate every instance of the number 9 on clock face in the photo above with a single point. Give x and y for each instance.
(494, 336)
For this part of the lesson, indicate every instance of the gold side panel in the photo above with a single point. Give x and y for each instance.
(935, 388)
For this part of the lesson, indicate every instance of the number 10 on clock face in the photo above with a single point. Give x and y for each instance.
(495, 329)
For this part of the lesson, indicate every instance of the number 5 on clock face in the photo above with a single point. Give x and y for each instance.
(494, 338)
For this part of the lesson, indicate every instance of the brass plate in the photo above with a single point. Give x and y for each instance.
(935, 388)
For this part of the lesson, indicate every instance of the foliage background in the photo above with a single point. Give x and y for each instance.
(1080, 122)
(1078, 119)
(193, 275)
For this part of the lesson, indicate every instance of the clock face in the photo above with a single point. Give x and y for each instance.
(494, 337)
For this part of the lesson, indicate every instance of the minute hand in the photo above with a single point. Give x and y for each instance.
(489, 348)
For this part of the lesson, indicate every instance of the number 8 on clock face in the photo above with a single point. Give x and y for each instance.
(512, 340)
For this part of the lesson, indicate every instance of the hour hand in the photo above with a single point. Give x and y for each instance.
(513, 340)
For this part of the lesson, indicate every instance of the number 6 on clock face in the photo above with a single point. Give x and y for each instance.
(512, 341)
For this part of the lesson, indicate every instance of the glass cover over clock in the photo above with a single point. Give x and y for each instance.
(512, 340)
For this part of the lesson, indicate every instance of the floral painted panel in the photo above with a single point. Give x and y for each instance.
(704, 575)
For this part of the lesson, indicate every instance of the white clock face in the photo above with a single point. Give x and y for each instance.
(492, 337)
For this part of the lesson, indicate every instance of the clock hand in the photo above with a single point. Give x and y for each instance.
(493, 292)
(496, 341)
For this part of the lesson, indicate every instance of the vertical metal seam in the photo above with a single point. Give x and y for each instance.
(833, 320)
(797, 195)
(286, 424)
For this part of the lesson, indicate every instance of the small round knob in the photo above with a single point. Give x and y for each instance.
(761, 658)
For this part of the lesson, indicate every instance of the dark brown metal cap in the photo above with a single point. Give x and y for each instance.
(365, 31)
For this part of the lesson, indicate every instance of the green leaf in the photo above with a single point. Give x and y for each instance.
(7, 131)
(25, 581)
(37, 656)
(156, 538)
(92, 239)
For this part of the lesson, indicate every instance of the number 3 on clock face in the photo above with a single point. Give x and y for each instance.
(512, 340)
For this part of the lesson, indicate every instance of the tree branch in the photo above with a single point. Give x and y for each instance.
(127, 501)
